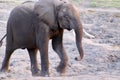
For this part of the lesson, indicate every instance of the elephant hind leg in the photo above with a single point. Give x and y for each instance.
(5, 63)
(34, 65)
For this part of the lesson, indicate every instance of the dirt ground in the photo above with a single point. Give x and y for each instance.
(102, 53)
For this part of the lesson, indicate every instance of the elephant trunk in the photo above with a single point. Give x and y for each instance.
(78, 36)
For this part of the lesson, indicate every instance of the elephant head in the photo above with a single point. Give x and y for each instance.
(69, 18)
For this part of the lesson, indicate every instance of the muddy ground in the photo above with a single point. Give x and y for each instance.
(102, 53)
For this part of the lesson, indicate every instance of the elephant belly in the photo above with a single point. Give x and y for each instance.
(24, 42)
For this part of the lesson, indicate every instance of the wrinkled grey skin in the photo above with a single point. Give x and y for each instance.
(31, 26)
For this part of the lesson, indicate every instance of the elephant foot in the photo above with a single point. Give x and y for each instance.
(35, 72)
(61, 69)
(44, 73)
(4, 70)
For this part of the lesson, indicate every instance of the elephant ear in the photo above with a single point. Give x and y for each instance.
(45, 13)
(63, 18)
(68, 16)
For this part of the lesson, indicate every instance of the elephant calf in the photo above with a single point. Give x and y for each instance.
(32, 24)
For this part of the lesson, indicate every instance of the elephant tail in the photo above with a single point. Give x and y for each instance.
(1, 41)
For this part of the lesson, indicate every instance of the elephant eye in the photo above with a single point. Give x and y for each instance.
(37, 14)
(66, 18)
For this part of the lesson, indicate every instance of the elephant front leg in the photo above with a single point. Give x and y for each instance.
(33, 58)
(44, 60)
(57, 45)
(42, 38)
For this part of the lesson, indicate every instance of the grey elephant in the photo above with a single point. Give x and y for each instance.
(32, 24)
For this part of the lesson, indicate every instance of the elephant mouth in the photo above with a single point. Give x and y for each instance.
(69, 29)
